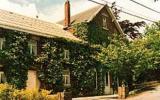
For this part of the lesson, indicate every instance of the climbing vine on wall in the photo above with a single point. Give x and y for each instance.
(91, 33)
(81, 64)
(50, 70)
(16, 58)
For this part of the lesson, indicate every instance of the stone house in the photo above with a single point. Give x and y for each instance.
(101, 16)
(36, 28)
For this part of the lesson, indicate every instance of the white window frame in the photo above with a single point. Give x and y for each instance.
(66, 54)
(2, 77)
(66, 77)
(33, 47)
(2, 40)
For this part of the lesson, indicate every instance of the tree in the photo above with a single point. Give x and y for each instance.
(129, 28)
(134, 61)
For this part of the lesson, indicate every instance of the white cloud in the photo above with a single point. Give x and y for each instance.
(22, 2)
(56, 12)
(139, 10)
(52, 13)
(27, 10)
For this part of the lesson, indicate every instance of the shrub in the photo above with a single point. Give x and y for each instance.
(8, 92)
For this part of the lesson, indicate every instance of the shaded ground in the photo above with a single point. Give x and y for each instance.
(148, 91)
(152, 94)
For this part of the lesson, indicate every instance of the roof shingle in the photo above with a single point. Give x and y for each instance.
(33, 26)
(88, 16)
(83, 16)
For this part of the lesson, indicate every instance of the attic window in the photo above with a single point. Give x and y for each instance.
(104, 19)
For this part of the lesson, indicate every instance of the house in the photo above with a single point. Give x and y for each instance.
(84, 77)
(37, 29)
(103, 17)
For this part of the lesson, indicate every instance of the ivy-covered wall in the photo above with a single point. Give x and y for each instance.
(83, 62)
(16, 58)
(92, 33)
(82, 65)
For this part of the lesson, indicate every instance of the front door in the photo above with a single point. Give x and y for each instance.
(107, 83)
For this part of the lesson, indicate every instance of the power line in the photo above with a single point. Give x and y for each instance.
(125, 12)
(145, 6)
(138, 16)
(144, 17)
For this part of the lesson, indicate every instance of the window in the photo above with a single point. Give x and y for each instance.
(33, 47)
(2, 40)
(66, 54)
(2, 77)
(66, 78)
(104, 22)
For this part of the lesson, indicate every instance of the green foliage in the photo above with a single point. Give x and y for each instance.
(16, 58)
(81, 64)
(50, 59)
(153, 29)
(130, 61)
(91, 33)
(8, 92)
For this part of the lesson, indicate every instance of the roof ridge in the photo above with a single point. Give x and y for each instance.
(97, 6)
(84, 15)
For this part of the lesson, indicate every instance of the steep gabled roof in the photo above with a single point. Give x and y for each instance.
(33, 26)
(89, 14)
(83, 16)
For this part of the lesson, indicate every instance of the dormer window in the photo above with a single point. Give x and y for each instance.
(2, 40)
(104, 20)
(66, 54)
(33, 47)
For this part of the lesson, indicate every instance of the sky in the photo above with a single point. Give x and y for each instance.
(53, 10)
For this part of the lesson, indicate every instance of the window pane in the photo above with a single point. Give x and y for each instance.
(66, 77)
(33, 47)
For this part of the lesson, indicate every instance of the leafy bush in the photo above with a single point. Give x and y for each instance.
(8, 92)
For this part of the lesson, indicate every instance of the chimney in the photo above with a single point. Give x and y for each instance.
(67, 14)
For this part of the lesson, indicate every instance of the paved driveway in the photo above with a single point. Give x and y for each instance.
(107, 97)
(153, 94)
